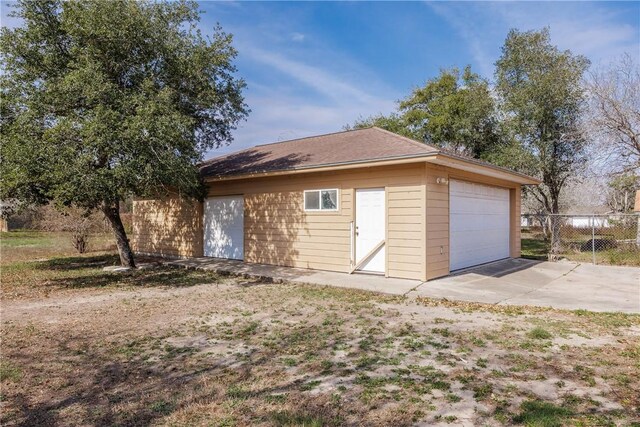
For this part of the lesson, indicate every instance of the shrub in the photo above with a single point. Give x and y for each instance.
(76, 221)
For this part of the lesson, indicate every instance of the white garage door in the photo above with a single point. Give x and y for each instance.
(479, 224)
(224, 227)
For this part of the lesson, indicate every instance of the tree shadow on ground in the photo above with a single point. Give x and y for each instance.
(106, 389)
(160, 277)
(86, 272)
(79, 262)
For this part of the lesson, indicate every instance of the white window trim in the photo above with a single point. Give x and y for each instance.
(336, 209)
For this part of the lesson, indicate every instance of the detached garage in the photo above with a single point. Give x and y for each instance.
(362, 201)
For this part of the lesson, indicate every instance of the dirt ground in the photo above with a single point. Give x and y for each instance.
(173, 347)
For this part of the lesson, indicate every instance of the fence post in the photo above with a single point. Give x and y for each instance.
(593, 239)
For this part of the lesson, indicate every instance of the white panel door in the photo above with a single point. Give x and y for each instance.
(224, 227)
(478, 224)
(370, 228)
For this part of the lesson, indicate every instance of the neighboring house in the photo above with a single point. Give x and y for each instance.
(364, 200)
(588, 216)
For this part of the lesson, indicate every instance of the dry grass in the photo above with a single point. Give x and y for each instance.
(175, 347)
(27, 245)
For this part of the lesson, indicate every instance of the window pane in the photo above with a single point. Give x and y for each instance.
(329, 199)
(312, 200)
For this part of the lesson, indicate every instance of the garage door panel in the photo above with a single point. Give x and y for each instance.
(224, 227)
(479, 224)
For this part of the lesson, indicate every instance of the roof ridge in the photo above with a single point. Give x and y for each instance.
(312, 136)
(411, 140)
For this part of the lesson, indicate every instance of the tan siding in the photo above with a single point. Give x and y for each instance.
(405, 229)
(437, 221)
(168, 227)
(279, 231)
(515, 200)
(437, 253)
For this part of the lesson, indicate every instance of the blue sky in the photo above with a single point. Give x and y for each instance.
(312, 67)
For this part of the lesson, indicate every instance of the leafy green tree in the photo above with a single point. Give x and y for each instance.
(454, 110)
(540, 87)
(102, 100)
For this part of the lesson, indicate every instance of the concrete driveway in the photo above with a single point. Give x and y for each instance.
(564, 285)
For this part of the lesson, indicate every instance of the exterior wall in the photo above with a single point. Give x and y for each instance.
(279, 231)
(169, 227)
(437, 223)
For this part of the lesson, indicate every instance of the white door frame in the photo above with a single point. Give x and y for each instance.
(369, 254)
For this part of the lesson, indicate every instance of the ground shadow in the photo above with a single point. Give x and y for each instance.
(107, 389)
(499, 268)
(157, 277)
(79, 262)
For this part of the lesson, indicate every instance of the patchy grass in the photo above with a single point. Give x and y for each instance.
(176, 347)
(23, 245)
(542, 414)
(9, 372)
(534, 248)
(539, 333)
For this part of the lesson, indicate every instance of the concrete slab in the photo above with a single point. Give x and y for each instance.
(563, 285)
(366, 282)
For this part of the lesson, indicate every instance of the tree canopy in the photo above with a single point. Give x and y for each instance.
(103, 100)
(529, 120)
(454, 110)
(542, 95)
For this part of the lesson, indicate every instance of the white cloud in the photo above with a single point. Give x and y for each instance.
(322, 101)
(297, 37)
(584, 28)
(324, 82)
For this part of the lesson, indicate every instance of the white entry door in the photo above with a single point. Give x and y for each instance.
(224, 227)
(370, 229)
(479, 224)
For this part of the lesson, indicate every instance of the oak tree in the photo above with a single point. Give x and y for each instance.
(102, 100)
(542, 95)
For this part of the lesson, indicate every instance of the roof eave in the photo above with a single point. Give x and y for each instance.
(328, 167)
(483, 168)
(445, 159)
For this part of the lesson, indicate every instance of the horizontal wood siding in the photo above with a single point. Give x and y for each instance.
(405, 229)
(278, 231)
(168, 227)
(437, 221)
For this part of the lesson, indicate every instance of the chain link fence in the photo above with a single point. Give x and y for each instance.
(599, 239)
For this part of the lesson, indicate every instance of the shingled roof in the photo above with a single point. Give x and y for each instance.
(354, 146)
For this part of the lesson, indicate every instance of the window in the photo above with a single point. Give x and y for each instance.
(321, 200)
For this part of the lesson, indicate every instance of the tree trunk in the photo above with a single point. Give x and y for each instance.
(112, 213)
